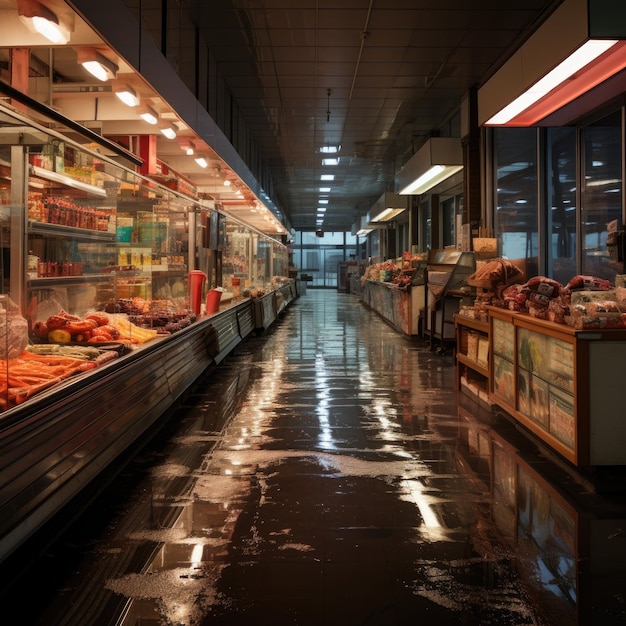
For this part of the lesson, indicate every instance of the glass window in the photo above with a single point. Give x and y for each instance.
(516, 197)
(561, 203)
(601, 163)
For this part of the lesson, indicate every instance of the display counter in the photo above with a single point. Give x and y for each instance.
(560, 546)
(402, 307)
(85, 237)
(54, 445)
(562, 384)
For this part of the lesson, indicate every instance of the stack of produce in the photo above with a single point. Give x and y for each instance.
(95, 328)
(40, 367)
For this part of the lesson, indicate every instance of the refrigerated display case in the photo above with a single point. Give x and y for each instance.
(83, 235)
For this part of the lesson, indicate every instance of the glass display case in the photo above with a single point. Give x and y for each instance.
(82, 233)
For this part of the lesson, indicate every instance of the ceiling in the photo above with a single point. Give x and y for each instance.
(376, 77)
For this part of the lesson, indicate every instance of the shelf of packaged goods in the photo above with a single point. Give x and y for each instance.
(472, 374)
(561, 384)
(44, 228)
(54, 281)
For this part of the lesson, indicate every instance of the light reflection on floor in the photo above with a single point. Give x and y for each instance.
(329, 475)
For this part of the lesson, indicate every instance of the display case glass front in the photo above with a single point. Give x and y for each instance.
(84, 235)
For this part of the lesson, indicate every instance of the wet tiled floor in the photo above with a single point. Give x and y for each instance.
(327, 473)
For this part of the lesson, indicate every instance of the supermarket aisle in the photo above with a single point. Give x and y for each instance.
(326, 474)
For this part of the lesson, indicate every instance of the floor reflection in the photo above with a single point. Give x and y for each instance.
(328, 474)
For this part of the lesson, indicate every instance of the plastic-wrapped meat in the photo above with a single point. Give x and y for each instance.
(514, 297)
(590, 283)
(541, 290)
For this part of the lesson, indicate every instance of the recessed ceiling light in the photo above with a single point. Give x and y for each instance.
(201, 160)
(327, 177)
(324, 189)
(322, 201)
(330, 149)
(330, 161)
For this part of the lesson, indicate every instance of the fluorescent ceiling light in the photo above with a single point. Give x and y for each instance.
(201, 160)
(363, 232)
(168, 131)
(330, 149)
(97, 64)
(324, 189)
(127, 95)
(322, 201)
(579, 59)
(149, 115)
(40, 19)
(388, 206)
(438, 159)
(330, 161)
(327, 177)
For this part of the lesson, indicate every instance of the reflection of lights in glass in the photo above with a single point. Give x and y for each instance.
(196, 556)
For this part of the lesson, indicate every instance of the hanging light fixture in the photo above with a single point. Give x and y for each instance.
(438, 159)
(579, 46)
(97, 64)
(40, 19)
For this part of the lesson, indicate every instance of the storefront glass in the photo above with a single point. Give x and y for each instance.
(601, 203)
(516, 195)
(561, 199)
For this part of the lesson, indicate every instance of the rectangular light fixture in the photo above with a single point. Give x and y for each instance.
(327, 177)
(388, 206)
(40, 19)
(438, 159)
(202, 161)
(579, 46)
(330, 149)
(127, 95)
(588, 66)
(324, 189)
(330, 161)
(168, 130)
(96, 64)
(149, 115)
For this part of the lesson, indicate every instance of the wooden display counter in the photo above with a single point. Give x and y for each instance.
(562, 384)
(402, 308)
(472, 358)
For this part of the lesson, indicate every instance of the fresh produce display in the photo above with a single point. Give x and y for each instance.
(32, 372)
(95, 328)
(64, 328)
